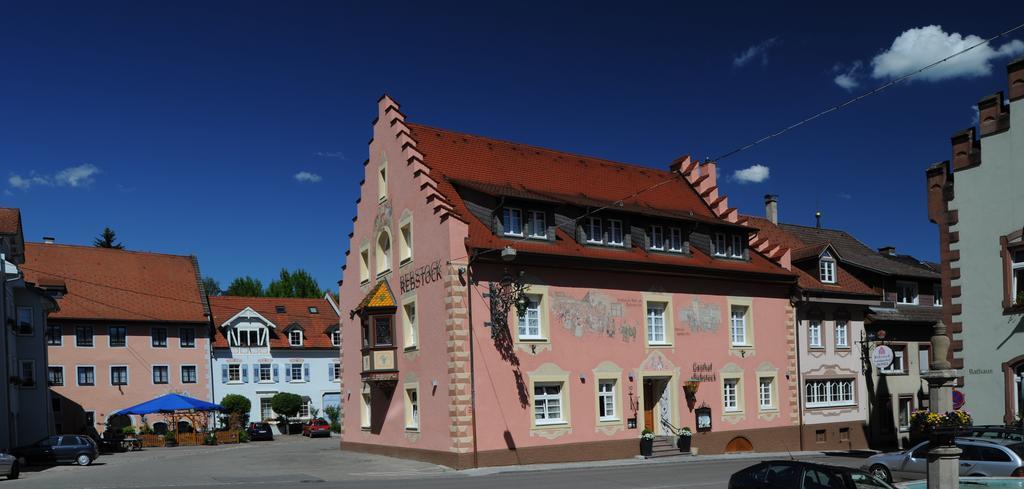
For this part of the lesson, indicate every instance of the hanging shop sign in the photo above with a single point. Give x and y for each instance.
(420, 276)
(703, 414)
(882, 356)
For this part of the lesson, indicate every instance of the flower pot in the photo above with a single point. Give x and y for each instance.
(944, 437)
(646, 447)
(684, 443)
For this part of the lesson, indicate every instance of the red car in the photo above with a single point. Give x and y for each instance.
(316, 427)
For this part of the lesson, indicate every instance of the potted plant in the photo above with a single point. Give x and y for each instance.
(685, 439)
(128, 431)
(941, 428)
(646, 442)
(170, 439)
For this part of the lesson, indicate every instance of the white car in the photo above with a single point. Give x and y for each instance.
(9, 466)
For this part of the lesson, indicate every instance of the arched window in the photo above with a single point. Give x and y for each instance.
(383, 252)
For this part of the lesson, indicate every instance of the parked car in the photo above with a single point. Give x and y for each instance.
(9, 466)
(793, 474)
(78, 449)
(260, 431)
(316, 427)
(981, 457)
(996, 431)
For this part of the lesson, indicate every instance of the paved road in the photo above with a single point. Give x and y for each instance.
(294, 462)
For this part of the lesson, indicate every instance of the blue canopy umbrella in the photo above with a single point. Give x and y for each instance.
(170, 403)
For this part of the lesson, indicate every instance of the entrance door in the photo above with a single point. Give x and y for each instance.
(649, 402)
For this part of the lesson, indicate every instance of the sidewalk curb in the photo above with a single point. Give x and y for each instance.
(641, 461)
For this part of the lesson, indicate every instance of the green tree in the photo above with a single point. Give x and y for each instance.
(287, 405)
(295, 284)
(235, 403)
(212, 286)
(246, 286)
(107, 239)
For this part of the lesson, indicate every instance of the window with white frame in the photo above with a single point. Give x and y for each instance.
(161, 374)
(28, 373)
(412, 409)
(530, 320)
(54, 335)
(829, 393)
(234, 372)
(606, 408)
(86, 375)
(295, 337)
(295, 372)
(842, 333)
(937, 295)
(264, 373)
(765, 395)
(675, 240)
(719, 245)
(547, 403)
(409, 324)
(898, 365)
(1017, 274)
(538, 224)
(336, 337)
(737, 246)
(615, 232)
(405, 246)
(656, 323)
(512, 221)
(383, 252)
(158, 337)
(814, 334)
(906, 292)
(595, 233)
(924, 359)
(188, 374)
(305, 407)
(117, 336)
(266, 409)
(730, 394)
(657, 238)
(364, 265)
(366, 411)
(335, 371)
(83, 336)
(187, 337)
(827, 269)
(119, 375)
(25, 323)
(738, 326)
(906, 407)
(382, 180)
(55, 375)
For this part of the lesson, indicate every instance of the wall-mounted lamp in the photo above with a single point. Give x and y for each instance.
(508, 254)
(583, 378)
(433, 383)
(632, 375)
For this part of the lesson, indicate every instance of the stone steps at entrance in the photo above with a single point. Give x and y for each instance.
(665, 446)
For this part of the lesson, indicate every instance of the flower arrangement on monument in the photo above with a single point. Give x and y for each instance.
(923, 420)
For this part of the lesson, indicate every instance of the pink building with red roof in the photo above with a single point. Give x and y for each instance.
(508, 304)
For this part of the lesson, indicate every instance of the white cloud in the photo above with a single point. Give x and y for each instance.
(847, 76)
(76, 176)
(757, 51)
(920, 46)
(754, 174)
(331, 154)
(307, 177)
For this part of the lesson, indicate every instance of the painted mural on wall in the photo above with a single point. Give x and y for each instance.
(703, 317)
(383, 217)
(595, 313)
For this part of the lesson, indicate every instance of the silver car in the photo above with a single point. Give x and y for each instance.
(981, 457)
(9, 466)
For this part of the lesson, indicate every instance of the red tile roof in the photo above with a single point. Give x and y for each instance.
(10, 220)
(315, 326)
(459, 159)
(846, 283)
(109, 284)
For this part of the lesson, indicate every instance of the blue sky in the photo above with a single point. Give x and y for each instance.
(183, 125)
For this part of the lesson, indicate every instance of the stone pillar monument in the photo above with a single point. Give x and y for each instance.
(943, 460)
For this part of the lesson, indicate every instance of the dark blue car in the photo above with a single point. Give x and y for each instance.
(56, 449)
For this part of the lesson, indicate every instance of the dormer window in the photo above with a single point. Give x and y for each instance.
(512, 221)
(906, 293)
(675, 240)
(336, 337)
(719, 245)
(538, 226)
(657, 238)
(295, 337)
(615, 232)
(594, 232)
(737, 246)
(248, 335)
(827, 269)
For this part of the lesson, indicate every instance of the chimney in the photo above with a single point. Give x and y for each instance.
(817, 218)
(887, 250)
(1015, 73)
(771, 208)
(49, 239)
